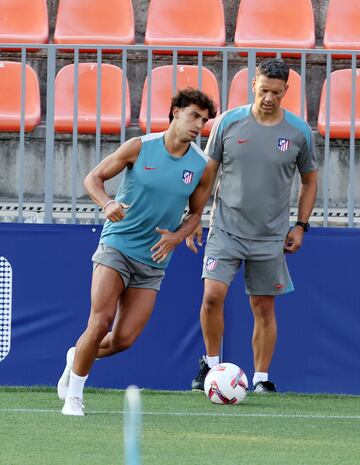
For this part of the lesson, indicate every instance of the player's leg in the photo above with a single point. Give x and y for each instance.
(266, 276)
(134, 307)
(107, 286)
(219, 269)
(264, 335)
(134, 310)
(212, 315)
(212, 326)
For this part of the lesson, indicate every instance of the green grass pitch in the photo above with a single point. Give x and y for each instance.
(181, 428)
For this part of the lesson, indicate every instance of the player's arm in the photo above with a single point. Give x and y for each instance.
(113, 164)
(197, 201)
(214, 149)
(307, 198)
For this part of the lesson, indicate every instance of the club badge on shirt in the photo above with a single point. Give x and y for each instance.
(283, 144)
(187, 176)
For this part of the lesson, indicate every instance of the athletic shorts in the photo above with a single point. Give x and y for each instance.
(132, 272)
(265, 269)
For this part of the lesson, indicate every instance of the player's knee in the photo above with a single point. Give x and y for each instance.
(264, 312)
(212, 303)
(99, 327)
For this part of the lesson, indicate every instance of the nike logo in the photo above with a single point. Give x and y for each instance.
(149, 168)
(242, 141)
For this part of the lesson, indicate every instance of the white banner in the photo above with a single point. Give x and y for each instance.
(5, 307)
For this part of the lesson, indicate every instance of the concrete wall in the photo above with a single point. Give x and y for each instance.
(35, 169)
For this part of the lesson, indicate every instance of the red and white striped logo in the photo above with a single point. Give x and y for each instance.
(210, 263)
(187, 176)
(283, 144)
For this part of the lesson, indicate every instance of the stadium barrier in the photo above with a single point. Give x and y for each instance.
(318, 344)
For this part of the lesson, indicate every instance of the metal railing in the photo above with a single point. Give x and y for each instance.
(200, 59)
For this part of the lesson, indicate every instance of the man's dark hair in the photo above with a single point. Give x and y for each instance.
(274, 68)
(185, 97)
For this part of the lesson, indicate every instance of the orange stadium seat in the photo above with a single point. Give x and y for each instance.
(111, 98)
(162, 91)
(10, 97)
(340, 105)
(198, 23)
(24, 21)
(342, 28)
(238, 93)
(275, 24)
(95, 22)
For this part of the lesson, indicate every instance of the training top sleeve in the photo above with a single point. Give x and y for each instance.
(214, 146)
(307, 160)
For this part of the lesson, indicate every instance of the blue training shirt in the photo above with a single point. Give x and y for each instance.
(157, 189)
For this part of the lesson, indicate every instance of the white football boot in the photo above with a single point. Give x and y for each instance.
(73, 406)
(63, 383)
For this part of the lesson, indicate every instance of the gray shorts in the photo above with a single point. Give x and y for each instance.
(132, 272)
(266, 272)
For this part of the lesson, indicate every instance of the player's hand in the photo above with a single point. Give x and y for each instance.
(294, 239)
(166, 244)
(115, 211)
(190, 240)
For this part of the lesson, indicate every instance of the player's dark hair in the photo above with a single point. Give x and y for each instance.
(185, 97)
(274, 68)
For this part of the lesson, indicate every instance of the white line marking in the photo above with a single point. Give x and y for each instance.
(192, 414)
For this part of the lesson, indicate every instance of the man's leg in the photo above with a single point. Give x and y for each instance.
(107, 286)
(212, 325)
(264, 335)
(134, 310)
(212, 315)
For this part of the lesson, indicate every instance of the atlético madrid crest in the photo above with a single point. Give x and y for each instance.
(210, 263)
(187, 176)
(283, 144)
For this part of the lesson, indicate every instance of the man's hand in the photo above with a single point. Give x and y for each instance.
(166, 244)
(190, 239)
(294, 239)
(115, 211)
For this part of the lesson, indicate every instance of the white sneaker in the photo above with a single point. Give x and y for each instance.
(63, 383)
(73, 406)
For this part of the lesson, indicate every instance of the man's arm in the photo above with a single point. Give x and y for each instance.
(197, 202)
(306, 204)
(198, 199)
(113, 164)
(307, 196)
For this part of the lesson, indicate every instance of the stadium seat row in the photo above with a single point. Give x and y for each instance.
(182, 23)
(161, 92)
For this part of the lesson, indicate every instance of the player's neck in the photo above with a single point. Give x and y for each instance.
(267, 119)
(174, 145)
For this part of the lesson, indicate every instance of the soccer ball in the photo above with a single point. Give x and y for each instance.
(226, 384)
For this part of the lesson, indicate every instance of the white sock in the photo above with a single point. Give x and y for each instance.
(76, 385)
(260, 376)
(212, 361)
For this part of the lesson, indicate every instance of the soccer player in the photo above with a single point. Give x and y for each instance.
(259, 147)
(163, 172)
